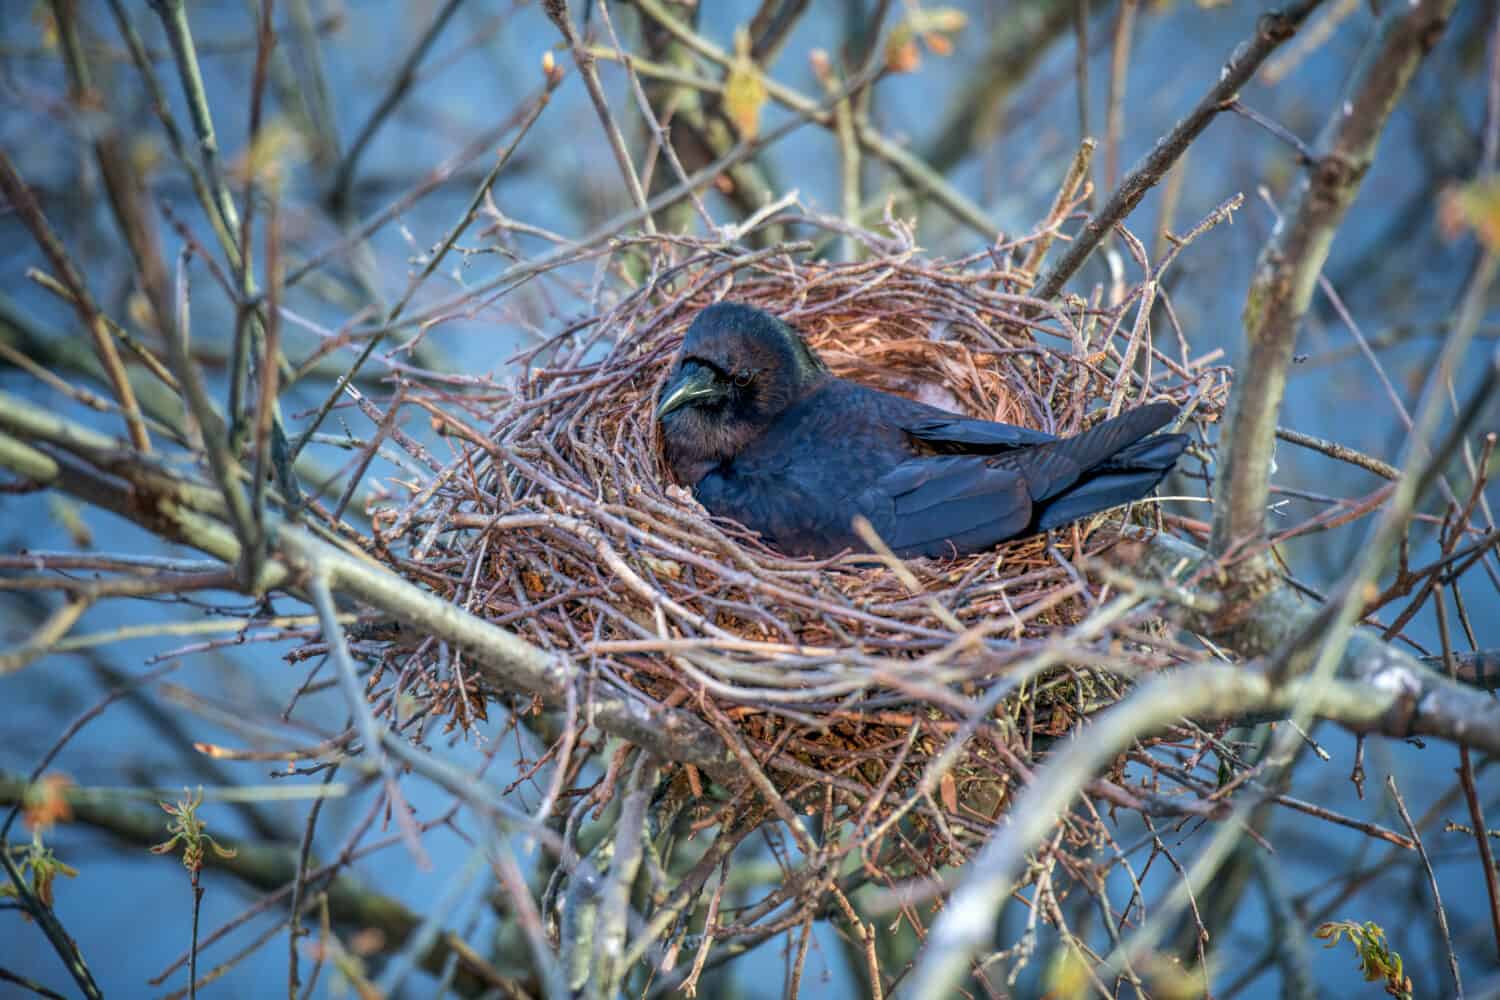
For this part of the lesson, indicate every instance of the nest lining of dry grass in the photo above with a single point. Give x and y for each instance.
(558, 519)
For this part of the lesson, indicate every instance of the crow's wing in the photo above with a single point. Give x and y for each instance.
(935, 505)
(1051, 468)
(986, 437)
(980, 437)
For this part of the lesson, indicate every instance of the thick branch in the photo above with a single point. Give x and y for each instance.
(146, 496)
(1288, 268)
(1377, 688)
(1424, 701)
(1204, 692)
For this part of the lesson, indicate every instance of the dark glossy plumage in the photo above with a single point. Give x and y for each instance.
(754, 423)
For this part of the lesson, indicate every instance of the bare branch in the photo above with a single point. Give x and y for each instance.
(557, 11)
(968, 918)
(1437, 898)
(265, 866)
(338, 194)
(1289, 265)
(1273, 28)
(506, 661)
(24, 205)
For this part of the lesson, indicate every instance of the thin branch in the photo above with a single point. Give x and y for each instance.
(1273, 28)
(1114, 101)
(122, 181)
(557, 12)
(1305, 157)
(61, 941)
(173, 15)
(370, 728)
(1341, 452)
(431, 181)
(162, 109)
(1437, 899)
(226, 469)
(1062, 203)
(10, 977)
(25, 206)
(433, 260)
(343, 177)
(772, 24)
(40, 643)
(849, 161)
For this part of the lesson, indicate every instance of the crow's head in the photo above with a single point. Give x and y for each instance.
(738, 369)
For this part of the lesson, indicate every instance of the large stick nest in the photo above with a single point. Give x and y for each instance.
(559, 520)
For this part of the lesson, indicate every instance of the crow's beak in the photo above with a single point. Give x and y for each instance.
(691, 384)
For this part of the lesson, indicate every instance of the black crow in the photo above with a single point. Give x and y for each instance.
(755, 424)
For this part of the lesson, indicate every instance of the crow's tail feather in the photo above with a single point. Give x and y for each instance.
(1110, 438)
(1128, 475)
(1097, 494)
(1056, 467)
(1158, 452)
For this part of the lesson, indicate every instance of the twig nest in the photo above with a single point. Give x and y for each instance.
(559, 519)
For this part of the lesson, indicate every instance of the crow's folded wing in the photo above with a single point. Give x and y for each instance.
(1121, 441)
(934, 505)
(981, 437)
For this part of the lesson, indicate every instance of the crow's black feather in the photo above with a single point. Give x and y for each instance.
(753, 421)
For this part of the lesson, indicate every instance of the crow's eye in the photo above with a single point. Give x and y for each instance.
(744, 378)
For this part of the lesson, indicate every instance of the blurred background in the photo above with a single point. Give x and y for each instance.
(369, 103)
